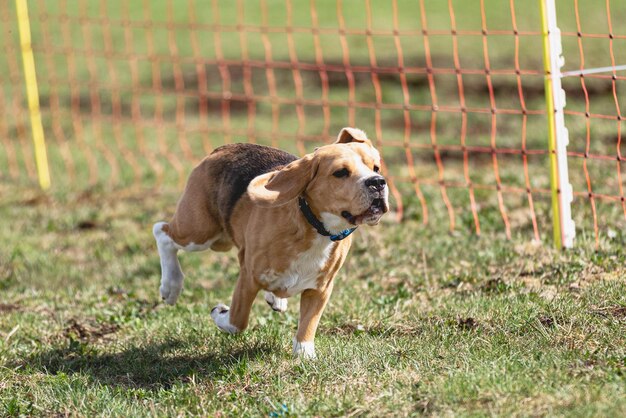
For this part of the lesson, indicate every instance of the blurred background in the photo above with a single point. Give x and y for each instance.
(133, 94)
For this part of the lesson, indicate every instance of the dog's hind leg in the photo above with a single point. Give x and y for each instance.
(171, 274)
(192, 228)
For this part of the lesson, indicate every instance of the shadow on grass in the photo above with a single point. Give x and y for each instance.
(151, 366)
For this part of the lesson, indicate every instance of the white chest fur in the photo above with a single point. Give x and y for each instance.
(303, 271)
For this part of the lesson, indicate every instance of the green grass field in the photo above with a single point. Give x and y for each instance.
(422, 321)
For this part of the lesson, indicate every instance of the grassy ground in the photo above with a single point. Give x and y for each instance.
(433, 325)
(421, 322)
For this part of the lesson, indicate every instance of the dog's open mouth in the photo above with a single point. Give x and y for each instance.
(377, 208)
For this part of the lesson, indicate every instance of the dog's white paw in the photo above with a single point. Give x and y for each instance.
(304, 349)
(170, 293)
(170, 290)
(221, 317)
(277, 304)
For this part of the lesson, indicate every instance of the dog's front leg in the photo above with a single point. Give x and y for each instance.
(312, 304)
(234, 319)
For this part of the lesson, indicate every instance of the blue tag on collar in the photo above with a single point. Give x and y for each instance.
(343, 234)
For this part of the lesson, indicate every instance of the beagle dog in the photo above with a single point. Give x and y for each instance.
(290, 219)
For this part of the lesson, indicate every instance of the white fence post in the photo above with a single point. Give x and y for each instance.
(562, 193)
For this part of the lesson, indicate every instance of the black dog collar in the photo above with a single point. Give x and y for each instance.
(318, 225)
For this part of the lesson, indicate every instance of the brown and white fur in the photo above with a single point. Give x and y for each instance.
(246, 196)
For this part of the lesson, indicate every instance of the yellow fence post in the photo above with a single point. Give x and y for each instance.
(558, 138)
(32, 93)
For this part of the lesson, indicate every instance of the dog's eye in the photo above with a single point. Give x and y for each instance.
(376, 169)
(344, 172)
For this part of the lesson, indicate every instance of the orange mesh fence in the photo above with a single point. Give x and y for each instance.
(133, 94)
(593, 113)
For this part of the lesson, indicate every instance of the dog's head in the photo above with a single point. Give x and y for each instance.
(341, 182)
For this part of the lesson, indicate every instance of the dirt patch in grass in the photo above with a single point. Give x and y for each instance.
(37, 200)
(9, 307)
(615, 312)
(88, 331)
(418, 327)
(467, 323)
(86, 225)
(546, 320)
(494, 286)
(375, 330)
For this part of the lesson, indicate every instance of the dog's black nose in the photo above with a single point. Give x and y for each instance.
(376, 182)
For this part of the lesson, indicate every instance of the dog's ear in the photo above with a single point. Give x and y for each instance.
(279, 187)
(351, 135)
